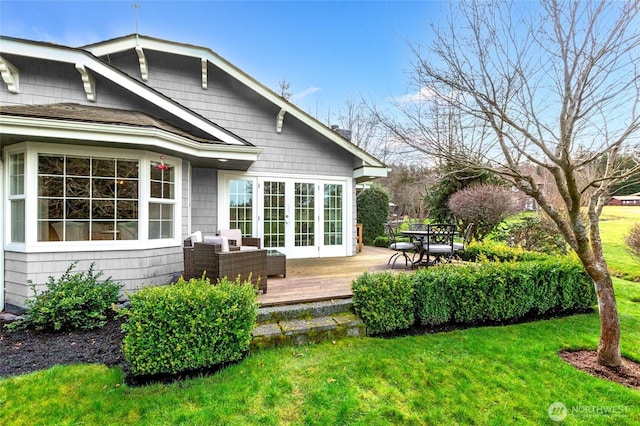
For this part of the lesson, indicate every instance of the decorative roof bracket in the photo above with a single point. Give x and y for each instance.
(144, 69)
(10, 75)
(204, 62)
(280, 120)
(88, 82)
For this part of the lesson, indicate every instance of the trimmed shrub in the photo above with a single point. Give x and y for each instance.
(498, 252)
(384, 301)
(189, 325)
(74, 301)
(372, 212)
(501, 292)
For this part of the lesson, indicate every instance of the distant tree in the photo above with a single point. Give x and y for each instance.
(485, 206)
(284, 89)
(407, 185)
(452, 179)
(372, 212)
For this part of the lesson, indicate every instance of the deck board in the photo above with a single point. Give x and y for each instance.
(311, 280)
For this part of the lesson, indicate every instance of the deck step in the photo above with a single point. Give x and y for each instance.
(306, 323)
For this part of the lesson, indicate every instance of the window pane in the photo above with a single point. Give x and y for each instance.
(127, 189)
(76, 231)
(77, 209)
(167, 191)
(16, 174)
(17, 221)
(77, 187)
(50, 208)
(78, 166)
(104, 167)
(156, 189)
(127, 209)
(103, 209)
(127, 230)
(50, 165)
(50, 186)
(47, 230)
(154, 211)
(127, 169)
(103, 188)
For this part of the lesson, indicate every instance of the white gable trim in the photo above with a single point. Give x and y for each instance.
(130, 42)
(83, 59)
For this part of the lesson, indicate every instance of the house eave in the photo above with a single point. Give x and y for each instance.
(368, 173)
(17, 129)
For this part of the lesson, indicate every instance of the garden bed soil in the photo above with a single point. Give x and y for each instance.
(25, 351)
(628, 374)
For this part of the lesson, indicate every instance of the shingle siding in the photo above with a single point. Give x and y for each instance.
(132, 268)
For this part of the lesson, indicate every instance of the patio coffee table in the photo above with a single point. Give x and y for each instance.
(276, 263)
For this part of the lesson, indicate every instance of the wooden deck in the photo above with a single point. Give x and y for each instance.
(311, 280)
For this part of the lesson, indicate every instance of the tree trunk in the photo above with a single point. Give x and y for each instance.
(609, 345)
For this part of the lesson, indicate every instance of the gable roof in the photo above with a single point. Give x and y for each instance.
(88, 58)
(133, 41)
(84, 59)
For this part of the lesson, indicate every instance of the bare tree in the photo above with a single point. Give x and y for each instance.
(284, 88)
(551, 85)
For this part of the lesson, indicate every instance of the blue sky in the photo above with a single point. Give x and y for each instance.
(329, 51)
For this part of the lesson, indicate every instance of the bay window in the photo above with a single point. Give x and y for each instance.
(63, 195)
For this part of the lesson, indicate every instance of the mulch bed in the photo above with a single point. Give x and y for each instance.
(25, 351)
(628, 374)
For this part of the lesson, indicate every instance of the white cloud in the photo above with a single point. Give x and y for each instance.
(423, 95)
(309, 91)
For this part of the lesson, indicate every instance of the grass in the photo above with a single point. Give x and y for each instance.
(615, 224)
(486, 375)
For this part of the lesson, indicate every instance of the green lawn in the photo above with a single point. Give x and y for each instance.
(487, 375)
(615, 224)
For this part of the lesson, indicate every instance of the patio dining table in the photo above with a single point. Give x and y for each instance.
(436, 240)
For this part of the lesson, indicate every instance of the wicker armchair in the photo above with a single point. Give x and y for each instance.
(201, 257)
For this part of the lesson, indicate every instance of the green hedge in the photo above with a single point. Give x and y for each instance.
(384, 301)
(473, 294)
(188, 326)
(498, 252)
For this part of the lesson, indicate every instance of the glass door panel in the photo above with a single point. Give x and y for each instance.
(241, 206)
(274, 214)
(304, 214)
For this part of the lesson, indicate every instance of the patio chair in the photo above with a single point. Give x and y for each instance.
(218, 260)
(236, 239)
(439, 243)
(400, 247)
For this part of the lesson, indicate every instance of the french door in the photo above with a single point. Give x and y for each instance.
(301, 218)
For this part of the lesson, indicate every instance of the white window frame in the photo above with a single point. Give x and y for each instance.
(31, 151)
